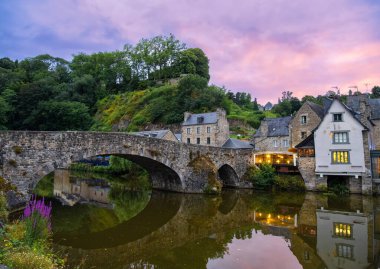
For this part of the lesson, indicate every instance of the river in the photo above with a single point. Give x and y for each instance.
(98, 224)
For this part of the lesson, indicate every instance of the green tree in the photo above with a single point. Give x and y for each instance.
(56, 115)
(376, 92)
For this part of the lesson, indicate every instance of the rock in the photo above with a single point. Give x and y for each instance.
(4, 266)
(15, 201)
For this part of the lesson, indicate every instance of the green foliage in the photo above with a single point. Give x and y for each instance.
(3, 208)
(29, 259)
(262, 177)
(376, 92)
(289, 182)
(339, 189)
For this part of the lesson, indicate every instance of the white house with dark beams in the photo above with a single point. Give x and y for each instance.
(340, 144)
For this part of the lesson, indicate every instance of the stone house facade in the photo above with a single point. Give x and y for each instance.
(307, 118)
(210, 129)
(272, 142)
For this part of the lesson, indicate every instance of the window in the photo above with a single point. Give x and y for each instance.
(188, 130)
(345, 251)
(200, 120)
(342, 230)
(303, 135)
(337, 117)
(303, 119)
(198, 140)
(285, 143)
(198, 130)
(208, 140)
(208, 130)
(188, 141)
(340, 157)
(340, 138)
(275, 144)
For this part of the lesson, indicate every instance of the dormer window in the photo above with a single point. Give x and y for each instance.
(200, 120)
(337, 117)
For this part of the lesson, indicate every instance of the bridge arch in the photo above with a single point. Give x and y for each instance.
(228, 176)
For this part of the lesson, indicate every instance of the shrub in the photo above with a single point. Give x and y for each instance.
(28, 259)
(339, 189)
(286, 182)
(261, 177)
(3, 208)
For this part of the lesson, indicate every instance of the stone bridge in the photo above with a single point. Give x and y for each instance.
(26, 157)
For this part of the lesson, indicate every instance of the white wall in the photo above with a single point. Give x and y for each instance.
(323, 138)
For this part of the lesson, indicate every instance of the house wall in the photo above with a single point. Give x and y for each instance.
(376, 134)
(296, 127)
(170, 136)
(266, 144)
(219, 132)
(323, 138)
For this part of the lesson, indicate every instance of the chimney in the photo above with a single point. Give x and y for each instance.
(187, 115)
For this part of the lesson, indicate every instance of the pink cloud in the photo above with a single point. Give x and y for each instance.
(263, 47)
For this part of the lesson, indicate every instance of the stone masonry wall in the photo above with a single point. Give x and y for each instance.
(296, 127)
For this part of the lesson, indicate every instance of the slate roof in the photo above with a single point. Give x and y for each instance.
(203, 118)
(276, 127)
(155, 134)
(327, 102)
(317, 109)
(178, 136)
(237, 144)
(308, 142)
(268, 106)
(375, 108)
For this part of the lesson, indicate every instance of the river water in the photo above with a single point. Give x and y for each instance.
(98, 224)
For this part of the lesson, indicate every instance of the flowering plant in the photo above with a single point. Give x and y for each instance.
(37, 217)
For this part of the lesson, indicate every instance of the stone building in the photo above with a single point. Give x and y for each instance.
(272, 142)
(210, 129)
(162, 134)
(304, 122)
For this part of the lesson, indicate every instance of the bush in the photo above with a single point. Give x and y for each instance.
(3, 208)
(28, 259)
(286, 182)
(262, 177)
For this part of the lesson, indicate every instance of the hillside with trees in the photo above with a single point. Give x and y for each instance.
(154, 81)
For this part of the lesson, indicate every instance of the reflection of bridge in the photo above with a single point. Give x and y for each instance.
(25, 157)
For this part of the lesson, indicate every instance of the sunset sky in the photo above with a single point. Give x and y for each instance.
(259, 46)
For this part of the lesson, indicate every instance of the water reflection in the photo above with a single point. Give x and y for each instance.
(239, 229)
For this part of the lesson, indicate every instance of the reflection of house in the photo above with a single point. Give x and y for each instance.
(73, 191)
(343, 239)
(162, 134)
(206, 128)
(271, 142)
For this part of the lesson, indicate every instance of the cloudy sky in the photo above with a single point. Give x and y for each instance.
(258, 46)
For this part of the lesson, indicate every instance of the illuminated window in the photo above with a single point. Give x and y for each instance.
(337, 117)
(345, 251)
(303, 119)
(340, 157)
(342, 230)
(340, 138)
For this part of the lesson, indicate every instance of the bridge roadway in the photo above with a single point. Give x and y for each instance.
(26, 157)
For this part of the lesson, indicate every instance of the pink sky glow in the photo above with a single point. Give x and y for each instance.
(257, 46)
